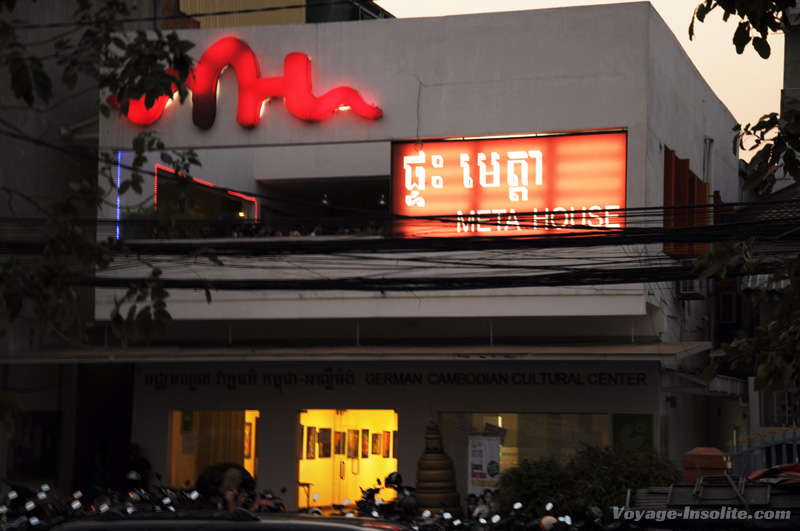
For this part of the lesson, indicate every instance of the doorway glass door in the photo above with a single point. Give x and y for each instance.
(342, 450)
(201, 438)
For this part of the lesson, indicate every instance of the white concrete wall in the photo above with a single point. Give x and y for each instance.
(682, 112)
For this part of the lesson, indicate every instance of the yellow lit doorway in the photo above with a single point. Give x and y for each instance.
(340, 450)
(200, 438)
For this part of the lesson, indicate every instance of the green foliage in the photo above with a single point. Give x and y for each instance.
(145, 310)
(534, 483)
(595, 475)
(28, 78)
(771, 352)
(725, 256)
(776, 141)
(137, 67)
(131, 65)
(757, 18)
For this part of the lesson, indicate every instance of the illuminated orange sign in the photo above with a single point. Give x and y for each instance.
(509, 186)
(294, 86)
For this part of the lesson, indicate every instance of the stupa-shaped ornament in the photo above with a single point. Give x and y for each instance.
(436, 478)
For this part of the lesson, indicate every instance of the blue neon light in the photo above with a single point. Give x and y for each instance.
(119, 171)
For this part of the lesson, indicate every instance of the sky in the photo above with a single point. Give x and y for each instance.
(747, 84)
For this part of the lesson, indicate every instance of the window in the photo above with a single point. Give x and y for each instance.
(201, 438)
(525, 435)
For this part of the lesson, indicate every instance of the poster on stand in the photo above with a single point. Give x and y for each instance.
(484, 464)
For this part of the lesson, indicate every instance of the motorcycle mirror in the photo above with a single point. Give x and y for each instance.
(375, 514)
(346, 502)
(426, 513)
(103, 507)
(517, 506)
(12, 495)
(560, 518)
(447, 516)
(33, 520)
(75, 505)
(283, 490)
(548, 507)
(45, 487)
(29, 506)
(77, 494)
(3, 509)
(482, 520)
(41, 495)
(378, 501)
(496, 518)
(194, 495)
(315, 497)
(568, 520)
(130, 509)
(456, 522)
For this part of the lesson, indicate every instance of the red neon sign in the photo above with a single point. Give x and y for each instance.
(203, 183)
(510, 186)
(294, 86)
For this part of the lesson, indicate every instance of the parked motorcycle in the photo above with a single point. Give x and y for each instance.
(315, 511)
(343, 509)
(367, 505)
(405, 506)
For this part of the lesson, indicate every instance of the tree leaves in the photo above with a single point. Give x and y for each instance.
(147, 66)
(146, 314)
(134, 65)
(28, 78)
(741, 37)
(762, 47)
(755, 17)
(594, 475)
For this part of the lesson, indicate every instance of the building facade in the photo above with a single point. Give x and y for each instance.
(534, 123)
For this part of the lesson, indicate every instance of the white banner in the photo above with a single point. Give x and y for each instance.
(484, 464)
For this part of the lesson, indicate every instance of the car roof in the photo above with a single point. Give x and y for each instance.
(234, 521)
